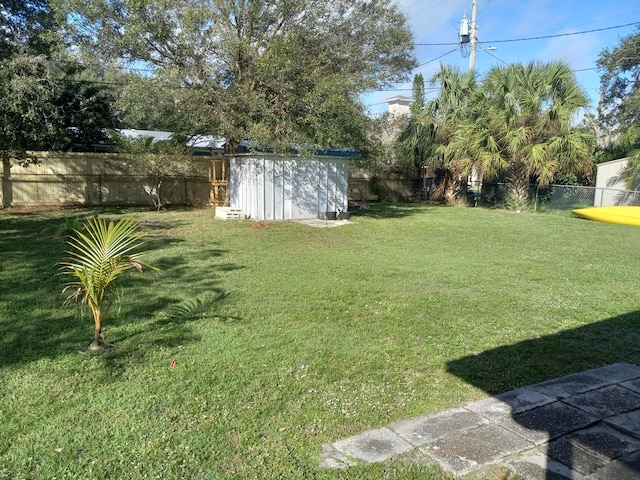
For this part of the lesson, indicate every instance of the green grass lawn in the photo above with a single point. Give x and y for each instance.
(288, 337)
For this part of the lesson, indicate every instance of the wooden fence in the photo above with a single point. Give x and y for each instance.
(90, 179)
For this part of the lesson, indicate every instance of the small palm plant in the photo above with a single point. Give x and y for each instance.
(101, 252)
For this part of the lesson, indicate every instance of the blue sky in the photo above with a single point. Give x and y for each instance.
(438, 21)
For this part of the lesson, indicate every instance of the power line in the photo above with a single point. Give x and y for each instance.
(438, 57)
(414, 3)
(494, 56)
(564, 34)
(626, 15)
(430, 89)
(485, 51)
(429, 8)
(535, 38)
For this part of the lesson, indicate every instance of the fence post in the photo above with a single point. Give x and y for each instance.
(7, 187)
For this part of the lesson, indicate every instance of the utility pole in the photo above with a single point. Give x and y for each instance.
(474, 35)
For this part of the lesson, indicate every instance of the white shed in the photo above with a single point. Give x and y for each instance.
(272, 187)
(611, 188)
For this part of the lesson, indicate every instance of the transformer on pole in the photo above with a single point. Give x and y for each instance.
(464, 30)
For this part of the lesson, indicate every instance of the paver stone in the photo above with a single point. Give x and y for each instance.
(628, 422)
(373, 445)
(606, 402)
(548, 422)
(463, 452)
(509, 403)
(569, 385)
(616, 372)
(537, 466)
(592, 448)
(421, 430)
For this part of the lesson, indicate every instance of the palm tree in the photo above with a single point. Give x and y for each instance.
(427, 136)
(523, 126)
(97, 260)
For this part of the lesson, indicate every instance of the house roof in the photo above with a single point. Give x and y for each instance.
(213, 142)
(197, 141)
(399, 99)
(617, 160)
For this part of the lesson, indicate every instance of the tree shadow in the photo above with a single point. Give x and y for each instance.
(34, 325)
(385, 210)
(196, 308)
(523, 377)
(171, 329)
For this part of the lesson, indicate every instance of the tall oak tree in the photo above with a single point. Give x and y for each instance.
(280, 73)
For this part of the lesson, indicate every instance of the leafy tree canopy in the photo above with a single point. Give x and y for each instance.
(619, 66)
(418, 93)
(430, 130)
(148, 103)
(44, 105)
(280, 72)
(25, 25)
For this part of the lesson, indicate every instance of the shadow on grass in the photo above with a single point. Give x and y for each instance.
(506, 367)
(195, 308)
(502, 369)
(387, 210)
(34, 325)
(171, 330)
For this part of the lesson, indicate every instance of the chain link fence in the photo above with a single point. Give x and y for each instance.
(554, 197)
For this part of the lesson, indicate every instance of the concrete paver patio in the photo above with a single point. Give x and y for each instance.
(584, 426)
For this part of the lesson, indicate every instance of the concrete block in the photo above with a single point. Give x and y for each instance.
(373, 446)
(548, 422)
(590, 449)
(333, 458)
(616, 372)
(509, 403)
(632, 385)
(227, 213)
(537, 466)
(421, 430)
(569, 385)
(623, 468)
(606, 402)
(462, 452)
(628, 422)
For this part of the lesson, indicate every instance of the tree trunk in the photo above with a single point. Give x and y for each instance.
(518, 185)
(448, 188)
(97, 339)
(7, 189)
(99, 343)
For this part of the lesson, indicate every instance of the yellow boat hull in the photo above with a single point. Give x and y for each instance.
(622, 215)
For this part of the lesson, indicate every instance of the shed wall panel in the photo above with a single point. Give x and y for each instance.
(611, 188)
(288, 188)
